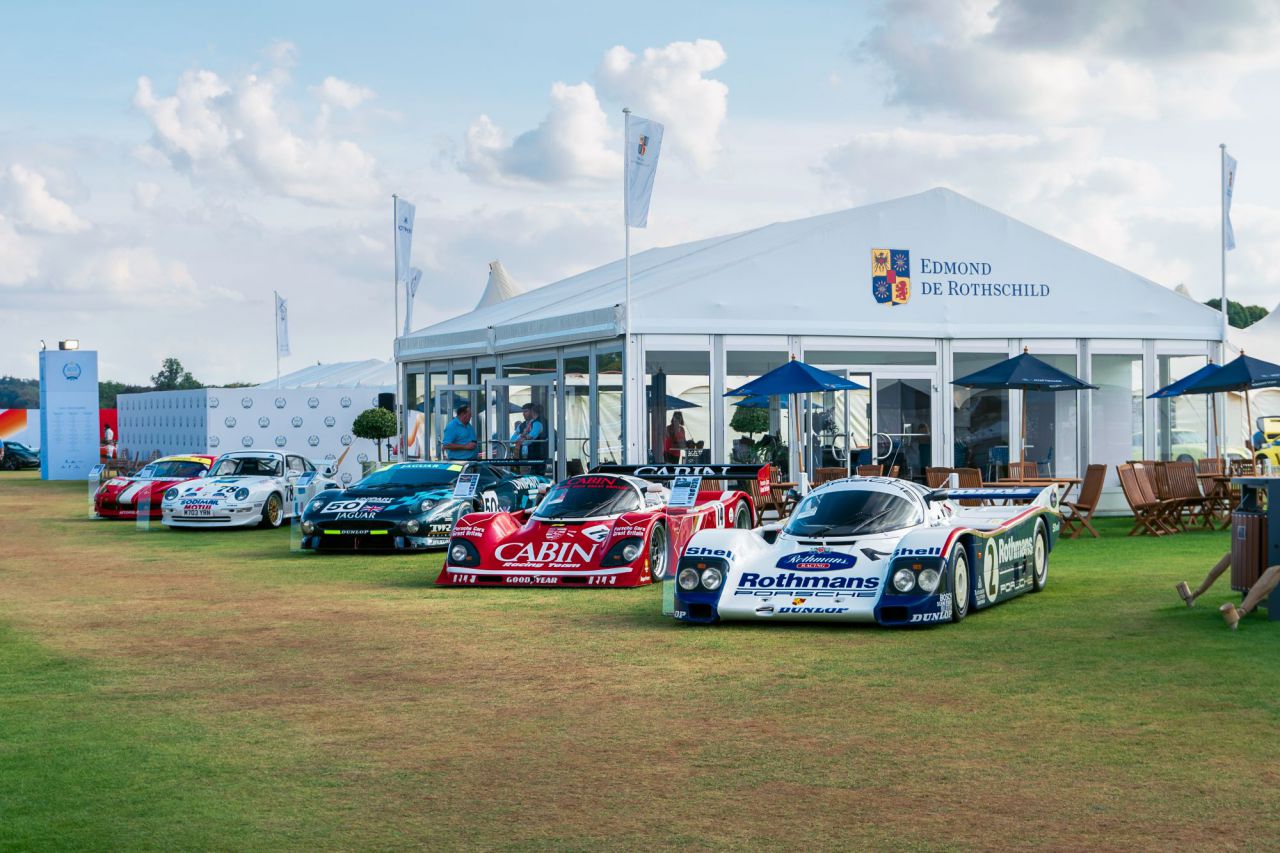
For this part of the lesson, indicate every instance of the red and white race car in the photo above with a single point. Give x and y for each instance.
(611, 527)
(122, 497)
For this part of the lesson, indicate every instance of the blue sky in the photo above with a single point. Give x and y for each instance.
(166, 166)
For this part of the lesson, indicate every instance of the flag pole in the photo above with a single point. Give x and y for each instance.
(1221, 428)
(275, 310)
(626, 299)
(395, 275)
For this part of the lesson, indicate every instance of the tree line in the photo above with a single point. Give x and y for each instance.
(16, 393)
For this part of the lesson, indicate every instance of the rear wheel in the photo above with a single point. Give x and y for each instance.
(742, 516)
(960, 583)
(658, 552)
(1040, 559)
(273, 511)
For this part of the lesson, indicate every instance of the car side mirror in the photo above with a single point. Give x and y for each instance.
(769, 532)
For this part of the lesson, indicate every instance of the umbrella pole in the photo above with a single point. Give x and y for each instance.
(1022, 445)
(1248, 422)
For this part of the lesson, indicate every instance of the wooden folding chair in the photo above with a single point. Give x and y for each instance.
(1024, 470)
(870, 471)
(1078, 513)
(893, 472)
(1163, 511)
(763, 500)
(826, 475)
(970, 478)
(1145, 513)
(1184, 486)
(936, 478)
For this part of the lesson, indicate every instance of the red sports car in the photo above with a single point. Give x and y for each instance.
(121, 497)
(611, 527)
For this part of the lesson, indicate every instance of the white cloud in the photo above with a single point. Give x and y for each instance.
(146, 194)
(340, 93)
(572, 144)
(220, 130)
(1059, 63)
(37, 208)
(137, 276)
(19, 256)
(668, 84)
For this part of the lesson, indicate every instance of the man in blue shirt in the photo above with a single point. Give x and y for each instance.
(459, 439)
(527, 440)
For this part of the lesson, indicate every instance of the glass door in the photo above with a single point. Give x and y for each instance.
(523, 424)
(903, 411)
(840, 422)
(444, 408)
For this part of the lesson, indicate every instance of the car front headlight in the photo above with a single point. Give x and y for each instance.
(426, 505)
(904, 580)
(712, 578)
(458, 553)
(630, 551)
(411, 526)
(688, 579)
(929, 579)
(316, 506)
(170, 494)
(308, 528)
(241, 494)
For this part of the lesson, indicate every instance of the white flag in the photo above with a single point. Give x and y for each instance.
(411, 290)
(282, 326)
(644, 143)
(1228, 186)
(404, 237)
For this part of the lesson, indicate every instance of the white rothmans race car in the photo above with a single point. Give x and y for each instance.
(874, 549)
(242, 489)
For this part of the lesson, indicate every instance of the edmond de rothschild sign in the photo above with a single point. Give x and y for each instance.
(891, 279)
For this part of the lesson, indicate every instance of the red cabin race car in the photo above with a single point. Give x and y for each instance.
(121, 497)
(611, 527)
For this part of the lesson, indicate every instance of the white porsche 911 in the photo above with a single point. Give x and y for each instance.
(242, 489)
(874, 549)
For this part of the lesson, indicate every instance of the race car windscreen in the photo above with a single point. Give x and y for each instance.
(589, 497)
(247, 466)
(852, 512)
(413, 476)
(173, 470)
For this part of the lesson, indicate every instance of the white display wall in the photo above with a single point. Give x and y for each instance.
(313, 422)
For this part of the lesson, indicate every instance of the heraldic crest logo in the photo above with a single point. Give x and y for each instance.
(891, 276)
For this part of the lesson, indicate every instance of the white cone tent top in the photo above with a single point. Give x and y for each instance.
(1261, 340)
(499, 288)
(1182, 290)
(370, 373)
(974, 273)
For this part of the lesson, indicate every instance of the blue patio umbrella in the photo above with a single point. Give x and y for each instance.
(673, 402)
(1241, 374)
(794, 377)
(759, 401)
(1024, 373)
(1177, 389)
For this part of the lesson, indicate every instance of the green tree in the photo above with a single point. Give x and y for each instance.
(750, 420)
(109, 390)
(1240, 316)
(375, 425)
(174, 377)
(18, 393)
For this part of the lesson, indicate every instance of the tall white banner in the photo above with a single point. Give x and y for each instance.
(411, 290)
(69, 437)
(282, 326)
(644, 143)
(1228, 186)
(404, 236)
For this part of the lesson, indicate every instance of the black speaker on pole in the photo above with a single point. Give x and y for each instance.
(387, 401)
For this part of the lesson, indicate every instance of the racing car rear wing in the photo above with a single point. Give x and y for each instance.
(660, 471)
(1046, 496)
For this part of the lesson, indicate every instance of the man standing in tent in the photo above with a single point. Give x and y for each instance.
(459, 439)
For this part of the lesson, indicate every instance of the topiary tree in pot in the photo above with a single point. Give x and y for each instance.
(375, 425)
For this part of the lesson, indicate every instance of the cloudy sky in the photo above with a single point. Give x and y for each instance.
(163, 169)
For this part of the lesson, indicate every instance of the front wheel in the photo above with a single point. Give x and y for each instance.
(273, 511)
(1040, 559)
(742, 517)
(658, 553)
(960, 582)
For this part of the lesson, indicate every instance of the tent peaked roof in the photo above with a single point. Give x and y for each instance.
(973, 272)
(499, 288)
(370, 373)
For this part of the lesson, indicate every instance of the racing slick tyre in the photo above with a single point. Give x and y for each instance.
(658, 555)
(961, 581)
(273, 511)
(1040, 559)
(8, 464)
(742, 516)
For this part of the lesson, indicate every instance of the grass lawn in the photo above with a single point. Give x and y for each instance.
(211, 689)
